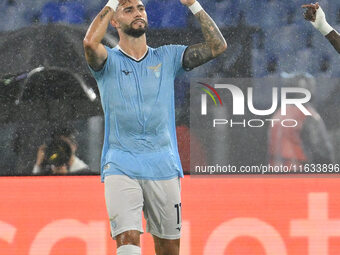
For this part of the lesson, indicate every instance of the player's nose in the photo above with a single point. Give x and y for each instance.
(138, 13)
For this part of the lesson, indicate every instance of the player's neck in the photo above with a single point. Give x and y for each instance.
(135, 47)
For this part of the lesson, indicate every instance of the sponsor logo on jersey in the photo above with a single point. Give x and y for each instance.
(126, 72)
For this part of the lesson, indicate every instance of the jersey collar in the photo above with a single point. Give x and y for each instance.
(133, 58)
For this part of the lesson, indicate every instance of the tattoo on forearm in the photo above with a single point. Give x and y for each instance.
(211, 32)
(105, 12)
(214, 44)
(197, 55)
(334, 38)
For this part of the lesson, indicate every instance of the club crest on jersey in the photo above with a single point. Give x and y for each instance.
(156, 69)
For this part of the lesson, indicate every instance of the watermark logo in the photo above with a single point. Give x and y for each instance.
(239, 99)
(204, 97)
(284, 103)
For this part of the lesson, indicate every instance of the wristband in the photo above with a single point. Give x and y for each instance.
(195, 7)
(325, 29)
(321, 23)
(113, 4)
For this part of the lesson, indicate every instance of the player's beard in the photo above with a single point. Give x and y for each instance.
(129, 30)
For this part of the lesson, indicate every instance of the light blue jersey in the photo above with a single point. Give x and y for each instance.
(138, 102)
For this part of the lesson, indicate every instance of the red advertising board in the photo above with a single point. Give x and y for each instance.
(274, 216)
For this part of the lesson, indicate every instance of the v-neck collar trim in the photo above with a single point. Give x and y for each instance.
(131, 57)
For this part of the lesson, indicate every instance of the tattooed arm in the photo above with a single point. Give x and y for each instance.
(214, 45)
(95, 51)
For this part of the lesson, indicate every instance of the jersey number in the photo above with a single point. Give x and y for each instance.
(178, 208)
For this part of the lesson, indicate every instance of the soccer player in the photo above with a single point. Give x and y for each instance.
(317, 17)
(140, 161)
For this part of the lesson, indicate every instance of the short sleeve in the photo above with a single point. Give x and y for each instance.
(98, 75)
(176, 55)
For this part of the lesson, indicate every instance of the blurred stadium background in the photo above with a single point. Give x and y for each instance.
(44, 81)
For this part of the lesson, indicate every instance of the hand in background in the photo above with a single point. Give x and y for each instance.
(40, 155)
(310, 13)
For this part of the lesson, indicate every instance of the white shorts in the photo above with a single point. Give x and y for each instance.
(160, 201)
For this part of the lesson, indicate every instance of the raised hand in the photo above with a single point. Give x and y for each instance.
(113, 4)
(122, 2)
(41, 154)
(317, 17)
(187, 2)
(310, 13)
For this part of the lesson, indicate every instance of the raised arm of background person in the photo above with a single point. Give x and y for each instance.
(317, 17)
(214, 45)
(95, 51)
(334, 38)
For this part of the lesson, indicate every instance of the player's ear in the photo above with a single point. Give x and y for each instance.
(114, 22)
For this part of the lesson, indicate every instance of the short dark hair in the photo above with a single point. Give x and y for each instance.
(67, 131)
(58, 153)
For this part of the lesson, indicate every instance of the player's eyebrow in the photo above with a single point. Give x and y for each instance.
(128, 8)
(131, 7)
